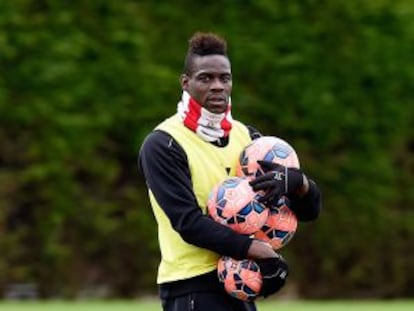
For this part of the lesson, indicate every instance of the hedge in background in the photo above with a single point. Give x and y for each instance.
(83, 83)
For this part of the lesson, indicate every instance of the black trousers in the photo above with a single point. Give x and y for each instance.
(206, 301)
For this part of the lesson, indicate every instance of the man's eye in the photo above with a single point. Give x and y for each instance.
(226, 79)
(204, 78)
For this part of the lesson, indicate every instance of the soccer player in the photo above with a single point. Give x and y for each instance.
(182, 159)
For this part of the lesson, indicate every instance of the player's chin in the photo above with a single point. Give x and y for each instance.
(217, 107)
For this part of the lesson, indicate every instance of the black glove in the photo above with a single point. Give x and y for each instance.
(275, 272)
(276, 181)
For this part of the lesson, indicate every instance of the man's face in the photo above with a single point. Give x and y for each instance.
(210, 83)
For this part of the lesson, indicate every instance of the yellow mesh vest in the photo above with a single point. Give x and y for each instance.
(208, 165)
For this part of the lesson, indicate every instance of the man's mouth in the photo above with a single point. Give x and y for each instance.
(217, 99)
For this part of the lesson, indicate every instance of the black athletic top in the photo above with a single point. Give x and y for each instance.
(162, 161)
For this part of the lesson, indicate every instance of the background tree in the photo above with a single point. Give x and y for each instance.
(82, 83)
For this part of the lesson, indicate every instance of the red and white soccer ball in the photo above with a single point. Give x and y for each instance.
(280, 226)
(242, 278)
(234, 203)
(265, 148)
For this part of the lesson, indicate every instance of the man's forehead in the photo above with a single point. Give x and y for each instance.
(212, 64)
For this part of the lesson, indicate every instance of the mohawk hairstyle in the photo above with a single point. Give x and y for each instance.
(202, 44)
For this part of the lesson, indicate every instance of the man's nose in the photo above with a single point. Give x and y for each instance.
(217, 84)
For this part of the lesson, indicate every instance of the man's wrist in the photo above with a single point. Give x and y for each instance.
(302, 191)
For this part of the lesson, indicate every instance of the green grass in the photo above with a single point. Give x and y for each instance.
(153, 305)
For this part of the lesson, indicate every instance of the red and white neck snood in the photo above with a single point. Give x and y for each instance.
(209, 126)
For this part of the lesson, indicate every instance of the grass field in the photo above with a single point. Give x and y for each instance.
(264, 305)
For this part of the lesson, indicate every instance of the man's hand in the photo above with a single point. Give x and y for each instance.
(273, 266)
(279, 180)
(275, 272)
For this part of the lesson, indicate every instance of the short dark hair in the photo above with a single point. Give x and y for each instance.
(202, 44)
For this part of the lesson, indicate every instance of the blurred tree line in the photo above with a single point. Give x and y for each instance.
(83, 82)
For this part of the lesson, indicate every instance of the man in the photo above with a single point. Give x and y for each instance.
(182, 159)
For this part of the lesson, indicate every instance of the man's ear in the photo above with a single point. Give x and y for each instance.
(184, 81)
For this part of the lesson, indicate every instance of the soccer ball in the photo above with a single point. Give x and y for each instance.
(280, 226)
(265, 148)
(234, 203)
(242, 279)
